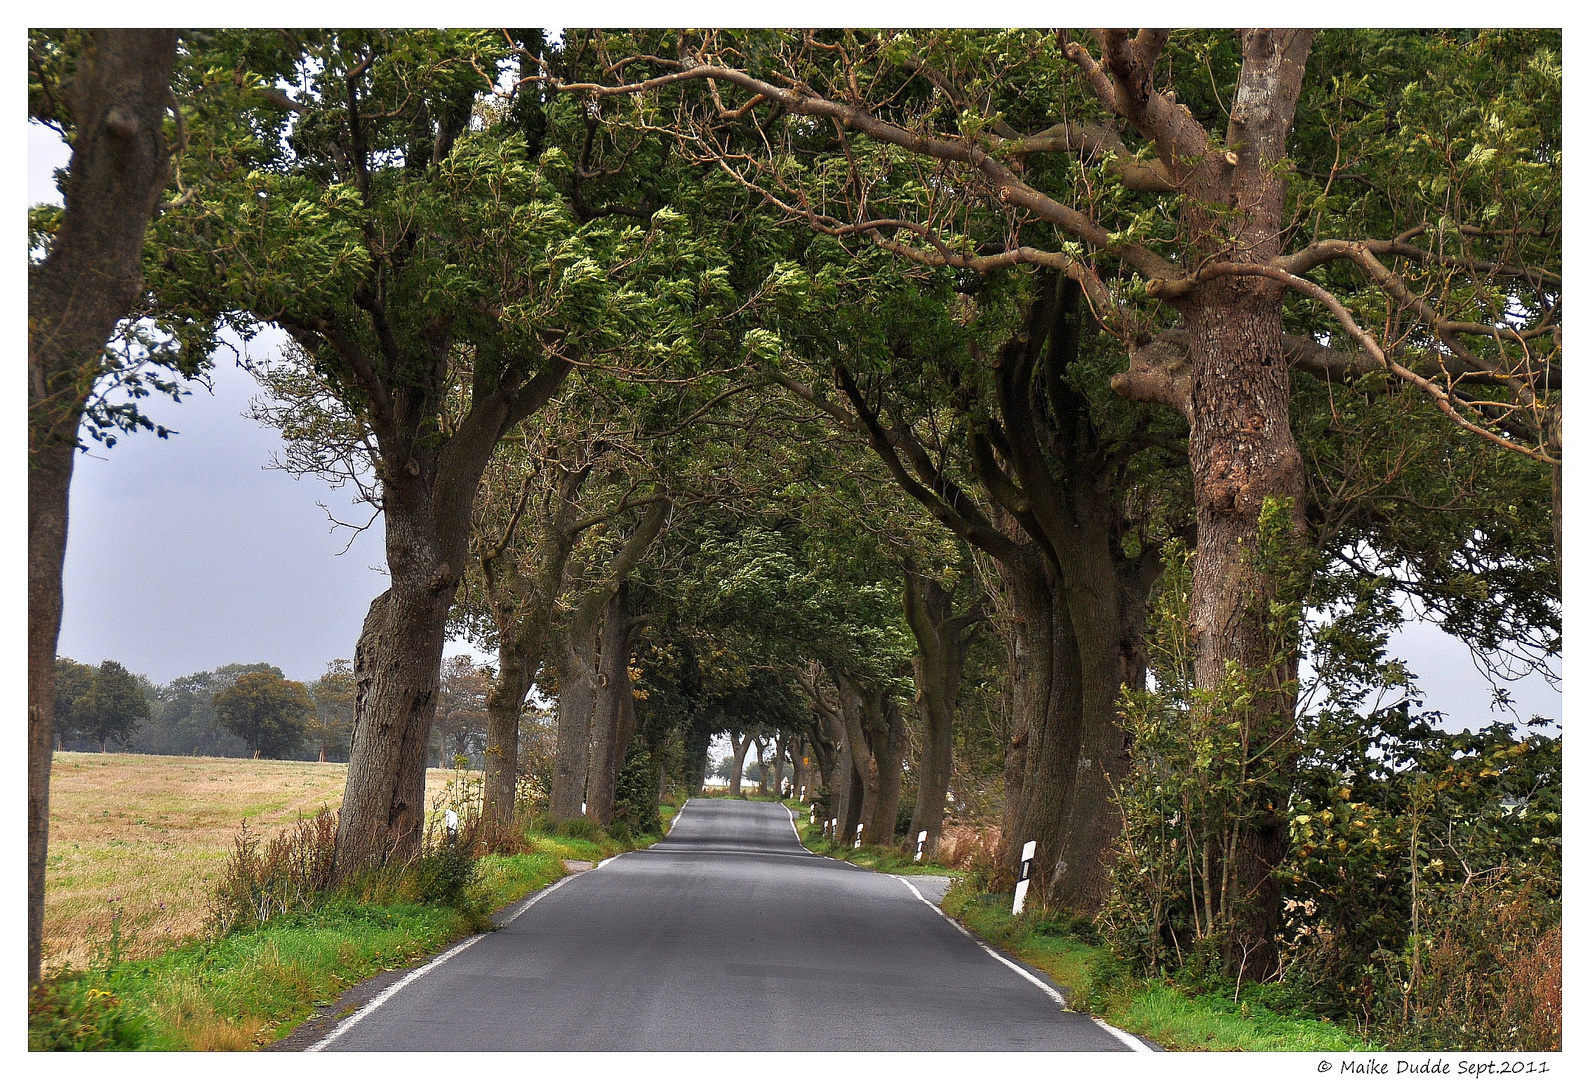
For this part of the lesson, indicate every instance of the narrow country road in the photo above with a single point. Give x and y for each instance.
(728, 935)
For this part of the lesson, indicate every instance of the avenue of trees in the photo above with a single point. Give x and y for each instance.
(1045, 429)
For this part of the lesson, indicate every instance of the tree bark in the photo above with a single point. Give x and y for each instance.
(581, 660)
(761, 766)
(739, 745)
(614, 700)
(427, 498)
(939, 662)
(120, 165)
(576, 707)
(1243, 456)
(891, 739)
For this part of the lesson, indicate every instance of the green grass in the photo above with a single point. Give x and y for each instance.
(1154, 1009)
(248, 988)
(1095, 981)
(251, 987)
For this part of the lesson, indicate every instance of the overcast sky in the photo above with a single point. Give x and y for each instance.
(187, 553)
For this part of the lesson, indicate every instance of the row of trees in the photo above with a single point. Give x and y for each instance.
(248, 710)
(865, 389)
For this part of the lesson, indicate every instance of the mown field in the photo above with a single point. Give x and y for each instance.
(137, 841)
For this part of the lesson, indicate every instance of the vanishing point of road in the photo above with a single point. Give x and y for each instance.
(727, 935)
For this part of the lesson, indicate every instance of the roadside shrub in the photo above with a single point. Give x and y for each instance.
(1422, 886)
(968, 848)
(635, 794)
(289, 874)
(446, 872)
(68, 1012)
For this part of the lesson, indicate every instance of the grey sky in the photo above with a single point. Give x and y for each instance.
(188, 553)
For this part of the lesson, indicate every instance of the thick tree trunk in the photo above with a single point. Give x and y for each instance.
(939, 662)
(846, 792)
(504, 706)
(606, 728)
(49, 478)
(397, 674)
(576, 709)
(890, 738)
(92, 277)
(1073, 649)
(862, 760)
(1243, 454)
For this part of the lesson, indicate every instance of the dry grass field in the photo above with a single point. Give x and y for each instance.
(145, 837)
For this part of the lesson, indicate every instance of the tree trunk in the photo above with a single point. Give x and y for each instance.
(504, 706)
(521, 607)
(740, 746)
(576, 708)
(890, 737)
(939, 662)
(862, 759)
(612, 688)
(90, 280)
(761, 767)
(778, 763)
(397, 675)
(1073, 648)
(1242, 455)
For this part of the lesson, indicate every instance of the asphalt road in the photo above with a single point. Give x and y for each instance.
(728, 935)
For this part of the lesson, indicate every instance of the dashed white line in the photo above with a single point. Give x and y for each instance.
(1056, 996)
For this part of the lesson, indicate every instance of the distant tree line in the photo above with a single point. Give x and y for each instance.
(248, 710)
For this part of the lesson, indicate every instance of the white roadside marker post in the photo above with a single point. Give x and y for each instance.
(921, 843)
(1028, 850)
(814, 814)
(803, 797)
(858, 835)
(452, 825)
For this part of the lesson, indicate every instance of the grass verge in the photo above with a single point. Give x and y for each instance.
(1155, 1009)
(245, 989)
(251, 987)
(1099, 984)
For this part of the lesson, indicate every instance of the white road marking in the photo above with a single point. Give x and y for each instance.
(794, 826)
(1056, 996)
(384, 996)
